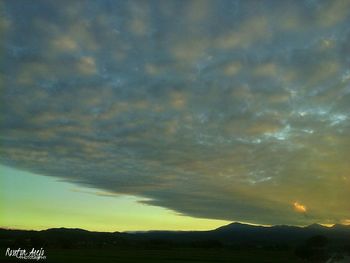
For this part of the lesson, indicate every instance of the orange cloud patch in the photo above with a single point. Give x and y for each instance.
(300, 208)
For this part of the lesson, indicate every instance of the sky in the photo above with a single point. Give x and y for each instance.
(125, 115)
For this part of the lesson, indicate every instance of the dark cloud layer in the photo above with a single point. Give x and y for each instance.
(217, 109)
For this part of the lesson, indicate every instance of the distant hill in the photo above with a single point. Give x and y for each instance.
(238, 233)
(234, 234)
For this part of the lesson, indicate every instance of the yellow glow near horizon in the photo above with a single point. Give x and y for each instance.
(37, 202)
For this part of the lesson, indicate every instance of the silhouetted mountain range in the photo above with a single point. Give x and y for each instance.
(234, 234)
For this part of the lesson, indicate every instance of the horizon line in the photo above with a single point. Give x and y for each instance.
(167, 230)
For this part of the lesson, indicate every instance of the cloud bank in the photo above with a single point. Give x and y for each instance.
(216, 109)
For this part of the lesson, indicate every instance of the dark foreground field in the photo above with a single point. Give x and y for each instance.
(232, 243)
(163, 255)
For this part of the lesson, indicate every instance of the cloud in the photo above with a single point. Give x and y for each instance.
(232, 113)
(299, 208)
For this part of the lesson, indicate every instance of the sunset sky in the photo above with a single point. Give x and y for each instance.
(137, 115)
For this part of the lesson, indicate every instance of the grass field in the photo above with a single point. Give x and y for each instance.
(162, 256)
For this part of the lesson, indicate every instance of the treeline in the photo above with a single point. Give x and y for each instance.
(76, 238)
